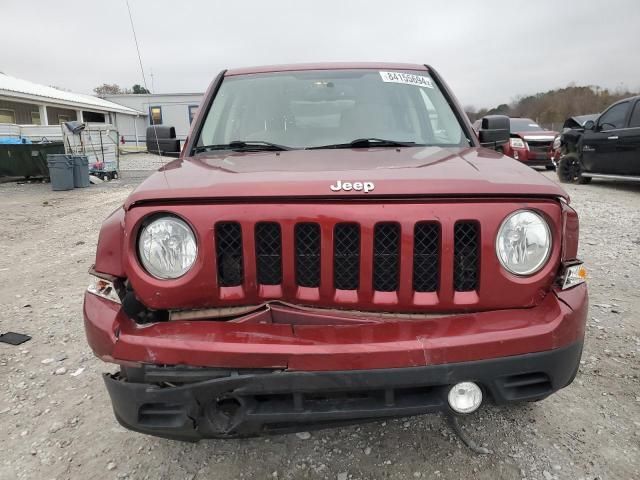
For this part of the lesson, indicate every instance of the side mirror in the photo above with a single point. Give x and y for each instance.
(589, 125)
(494, 131)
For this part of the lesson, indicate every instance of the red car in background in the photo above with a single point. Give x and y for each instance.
(529, 143)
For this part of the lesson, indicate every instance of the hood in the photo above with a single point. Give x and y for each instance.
(579, 120)
(539, 135)
(300, 174)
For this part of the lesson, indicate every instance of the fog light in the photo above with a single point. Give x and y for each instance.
(465, 397)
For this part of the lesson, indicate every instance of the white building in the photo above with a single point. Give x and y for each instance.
(169, 109)
(27, 103)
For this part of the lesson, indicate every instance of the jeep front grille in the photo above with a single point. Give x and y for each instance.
(346, 256)
(307, 252)
(344, 246)
(229, 253)
(386, 257)
(269, 253)
(466, 254)
(426, 257)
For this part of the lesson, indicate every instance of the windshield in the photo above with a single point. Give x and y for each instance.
(307, 109)
(524, 125)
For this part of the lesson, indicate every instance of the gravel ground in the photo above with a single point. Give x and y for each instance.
(57, 421)
(142, 161)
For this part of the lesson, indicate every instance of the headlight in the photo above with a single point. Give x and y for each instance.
(517, 143)
(167, 247)
(523, 244)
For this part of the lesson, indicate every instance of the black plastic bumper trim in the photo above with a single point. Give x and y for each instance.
(189, 403)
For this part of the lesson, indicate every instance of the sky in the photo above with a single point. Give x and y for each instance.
(489, 51)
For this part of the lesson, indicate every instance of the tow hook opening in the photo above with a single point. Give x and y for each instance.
(224, 414)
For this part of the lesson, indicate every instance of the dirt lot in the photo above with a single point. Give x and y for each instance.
(57, 421)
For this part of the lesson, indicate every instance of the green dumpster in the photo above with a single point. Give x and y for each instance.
(27, 160)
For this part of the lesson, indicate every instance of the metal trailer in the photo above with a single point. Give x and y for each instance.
(99, 142)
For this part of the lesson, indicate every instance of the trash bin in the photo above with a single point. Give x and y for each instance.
(60, 171)
(80, 171)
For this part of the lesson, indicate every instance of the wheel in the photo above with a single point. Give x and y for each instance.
(114, 175)
(105, 177)
(570, 171)
(549, 167)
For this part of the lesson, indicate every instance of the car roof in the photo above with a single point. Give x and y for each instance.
(628, 99)
(326, 66)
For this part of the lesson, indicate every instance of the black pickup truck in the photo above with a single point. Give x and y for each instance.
(608, 148)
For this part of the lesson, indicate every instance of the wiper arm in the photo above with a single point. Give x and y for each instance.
(366, 143)
(244, 145)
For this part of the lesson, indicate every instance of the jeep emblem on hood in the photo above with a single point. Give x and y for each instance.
(365, 187)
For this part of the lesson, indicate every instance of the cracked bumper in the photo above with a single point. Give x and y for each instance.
(197, 379)
(236, 403)
(559, 320)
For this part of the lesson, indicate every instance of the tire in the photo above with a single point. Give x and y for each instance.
(114, 175)
(584, 180)
(549, 167)
(537, 399)
(569, 169)
(105, 177)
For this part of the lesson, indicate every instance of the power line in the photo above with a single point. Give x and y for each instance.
(144, 78)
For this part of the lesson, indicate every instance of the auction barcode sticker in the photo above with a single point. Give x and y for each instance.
(406, 78)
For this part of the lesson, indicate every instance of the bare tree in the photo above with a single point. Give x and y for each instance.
(553, 107)
(107, 89)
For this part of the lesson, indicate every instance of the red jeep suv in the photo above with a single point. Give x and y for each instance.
(334, 245)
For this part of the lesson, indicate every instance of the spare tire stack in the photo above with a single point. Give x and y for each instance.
(162, 140)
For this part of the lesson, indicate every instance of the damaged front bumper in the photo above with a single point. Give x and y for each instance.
(189, 379)
(319, 344)
(188, 403)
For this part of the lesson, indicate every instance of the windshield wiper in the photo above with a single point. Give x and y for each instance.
(367, 143)
(244, 146)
